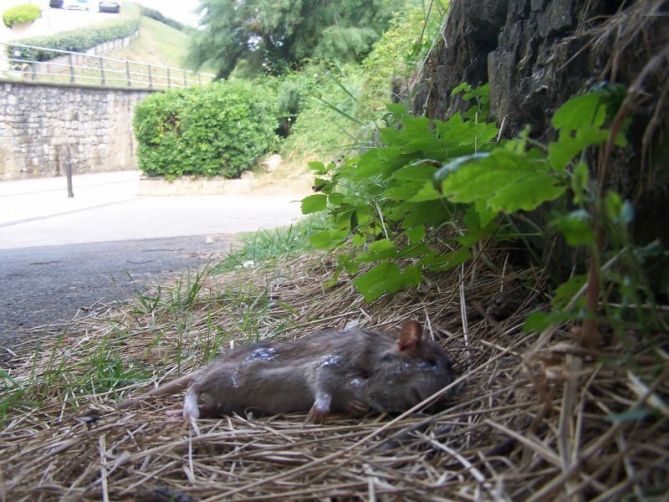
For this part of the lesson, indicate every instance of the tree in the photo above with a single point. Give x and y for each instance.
(257, 36)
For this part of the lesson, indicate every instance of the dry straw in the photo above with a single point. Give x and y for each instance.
(546, 424)
(534, 417)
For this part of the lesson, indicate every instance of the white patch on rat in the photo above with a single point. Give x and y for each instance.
(258, 354)
(190, 405)
(235, 378)
(261, 354)
(331, 360)
(425, 366)
(353, 323)
(323, 402)
(355, 382)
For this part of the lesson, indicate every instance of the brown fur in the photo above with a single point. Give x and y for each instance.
(346, 371)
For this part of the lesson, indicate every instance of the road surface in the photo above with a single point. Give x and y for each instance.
(59, 255)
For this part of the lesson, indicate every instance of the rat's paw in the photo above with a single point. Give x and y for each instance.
(320, 409)
(317, 415)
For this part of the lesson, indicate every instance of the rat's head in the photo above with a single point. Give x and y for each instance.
(409, 372)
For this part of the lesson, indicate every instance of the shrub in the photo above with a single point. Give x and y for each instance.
(292, 91)
(339, 106)
(24, 13)
(397, 54)
(217, 129)
(158, 16)
(327, 118)
(79, 40)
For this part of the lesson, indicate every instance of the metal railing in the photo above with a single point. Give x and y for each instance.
(90, 69)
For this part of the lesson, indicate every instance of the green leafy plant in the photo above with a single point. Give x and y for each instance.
(614, 290)
(434, 190)
(384, 205)
(217, 129)
(24, 13)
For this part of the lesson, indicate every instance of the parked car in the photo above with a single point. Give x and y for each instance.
(76, 5)
(109, 6)
(56, 4)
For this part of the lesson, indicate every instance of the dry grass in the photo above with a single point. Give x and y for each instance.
(289, 175)
(530, 421)
(632, 48)
(534, 417)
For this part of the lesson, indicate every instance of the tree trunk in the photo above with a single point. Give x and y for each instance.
(535, 54)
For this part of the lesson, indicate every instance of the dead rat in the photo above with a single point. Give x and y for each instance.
(354, 370)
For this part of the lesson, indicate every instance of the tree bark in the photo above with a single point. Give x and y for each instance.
(535, 54)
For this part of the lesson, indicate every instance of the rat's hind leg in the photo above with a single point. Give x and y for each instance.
(337, 387)
(211, 398)
(327, 377)
(321, 408)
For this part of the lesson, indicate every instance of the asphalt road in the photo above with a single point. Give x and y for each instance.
(60, 257)
(52, 284)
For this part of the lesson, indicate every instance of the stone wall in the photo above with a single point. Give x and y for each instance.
(45, 126)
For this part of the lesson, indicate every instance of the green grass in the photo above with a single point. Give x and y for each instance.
(54, 374)
(182, 296)
(269, 246)
(327, 125)
(107, 370)
(157, 44)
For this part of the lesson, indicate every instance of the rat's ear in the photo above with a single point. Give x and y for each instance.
(410, 335)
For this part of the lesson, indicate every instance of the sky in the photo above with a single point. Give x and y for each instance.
(181, 10)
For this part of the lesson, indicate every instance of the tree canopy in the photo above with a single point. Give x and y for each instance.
(256, 36)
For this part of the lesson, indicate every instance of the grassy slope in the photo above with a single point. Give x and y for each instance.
(157, 44)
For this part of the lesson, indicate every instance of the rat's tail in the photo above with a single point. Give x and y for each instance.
(164, 390)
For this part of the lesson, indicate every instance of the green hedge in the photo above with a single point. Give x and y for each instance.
(79, 40)
(24, 13)
(158, 16)
(218, 129)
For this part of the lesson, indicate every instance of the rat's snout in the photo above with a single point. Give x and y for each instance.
(416, 395)
(438, 403)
